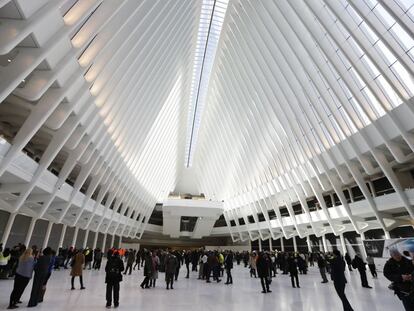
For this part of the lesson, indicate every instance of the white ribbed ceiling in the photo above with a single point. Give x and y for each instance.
(300, 100)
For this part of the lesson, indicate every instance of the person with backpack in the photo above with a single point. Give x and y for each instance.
(114, 267)
(360, 265)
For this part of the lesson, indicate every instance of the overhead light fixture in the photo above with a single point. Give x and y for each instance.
(209, 29)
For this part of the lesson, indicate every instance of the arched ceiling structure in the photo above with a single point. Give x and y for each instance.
(297, 109)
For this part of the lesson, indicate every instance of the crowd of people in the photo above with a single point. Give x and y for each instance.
(23, 264)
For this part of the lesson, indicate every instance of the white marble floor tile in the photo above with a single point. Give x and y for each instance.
(195, 295)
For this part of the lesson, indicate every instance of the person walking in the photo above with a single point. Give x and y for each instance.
(263, 269)
(147, 270)
(399, 270)
(130, 261)
(322, 267)
(371, 266)
(359, 264)
(113, 269)
(22, 277)
(338, 277)
(137, 259)
(77, 266)
(41, 269)
(171, 264)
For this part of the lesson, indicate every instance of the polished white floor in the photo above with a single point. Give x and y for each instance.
(192, 294)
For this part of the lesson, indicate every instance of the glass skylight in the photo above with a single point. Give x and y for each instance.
(211, 22)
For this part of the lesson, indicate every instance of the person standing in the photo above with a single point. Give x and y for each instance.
(228, 264)
(203, 267)
(97, 259)
(155, 268)
(40, 274)
(338, 277)
(293, 270)
(88, 258)
(359, 264)
(263, 269)
(399, 270)
(371, 266)
(177, 254)
(22, 277)
(322, 268)
(77, 263)
(171, 264)
(113, 269)
(252, 264)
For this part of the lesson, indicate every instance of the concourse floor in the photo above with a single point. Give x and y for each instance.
(192, 294)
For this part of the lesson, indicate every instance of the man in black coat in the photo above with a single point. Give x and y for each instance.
(322, 268)
(187, 260)
(359, 264)
(228, 264)
(338, 277)
(399, 270)
(171, 264)
(130, 261)
(114, 267)
(292, 263)
(148, 269)
(41, 270)
(263, 269)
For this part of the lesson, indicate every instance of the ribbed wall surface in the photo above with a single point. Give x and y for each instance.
(308, 112)
(294, 109)
(95, 91)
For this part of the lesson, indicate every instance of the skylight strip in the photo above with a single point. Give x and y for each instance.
(211, 22)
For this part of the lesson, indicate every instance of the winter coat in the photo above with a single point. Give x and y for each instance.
(338, 270)
(293, 265)
(263, 266)
(393, 271)
(252, 262)
(77, 266)
(228, 262)
(171, 264)
(359, 264)
(148, 268)
(114, 267)
(131, 258)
